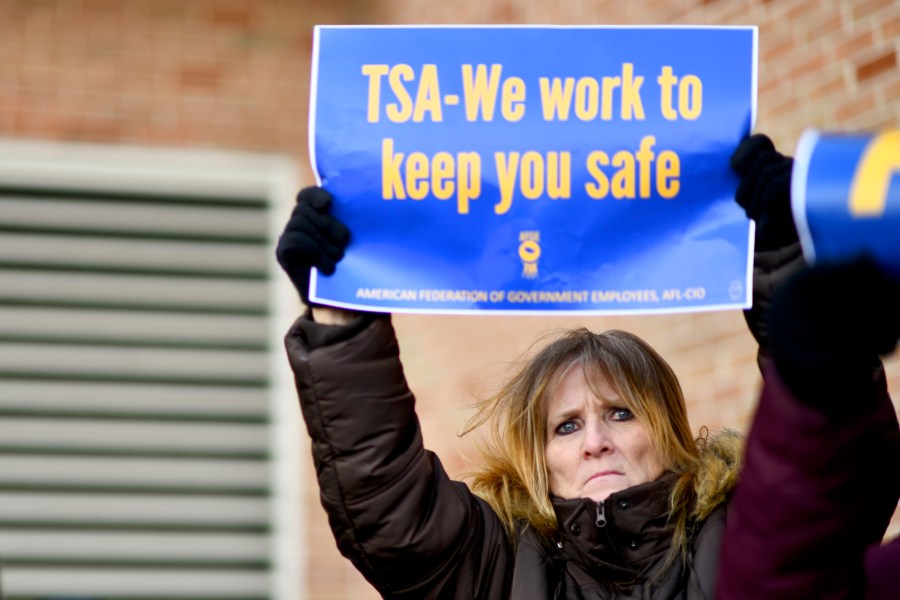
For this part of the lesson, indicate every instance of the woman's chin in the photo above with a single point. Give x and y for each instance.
(601, 490)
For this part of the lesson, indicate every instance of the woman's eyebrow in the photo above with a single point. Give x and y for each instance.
(564, 414)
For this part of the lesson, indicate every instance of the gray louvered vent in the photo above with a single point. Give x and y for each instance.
(135, 394)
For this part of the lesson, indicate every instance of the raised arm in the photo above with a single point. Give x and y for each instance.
(409, 529)
(764, 193)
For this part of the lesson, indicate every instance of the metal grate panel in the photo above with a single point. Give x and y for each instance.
(135, 392)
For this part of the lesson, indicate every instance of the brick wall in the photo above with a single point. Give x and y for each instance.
(234, 75)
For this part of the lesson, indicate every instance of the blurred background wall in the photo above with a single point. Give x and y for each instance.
(217, 87)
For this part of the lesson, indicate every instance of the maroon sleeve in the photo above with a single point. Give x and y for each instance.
(883, 571)
(817, 490)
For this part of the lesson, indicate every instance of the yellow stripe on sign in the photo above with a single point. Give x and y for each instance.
(880, 160)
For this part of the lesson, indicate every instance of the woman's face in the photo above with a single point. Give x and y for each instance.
(595, 446)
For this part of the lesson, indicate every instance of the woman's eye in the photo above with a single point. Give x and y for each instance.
(567, 428)
(621, 414)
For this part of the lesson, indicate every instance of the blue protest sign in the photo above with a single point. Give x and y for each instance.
(534, 169)
(846, 196)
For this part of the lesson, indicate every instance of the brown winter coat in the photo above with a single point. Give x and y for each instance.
(415, 534)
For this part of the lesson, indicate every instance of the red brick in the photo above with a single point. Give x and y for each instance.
(825, 86)
(98, 129)
(667, 11)
(855, 107)
(891, 93)
(809, 65)
(200, 77)
(884, 63)
(854, 44)
(737, 13)
(7, 115)
(890, 28)
(802, 10)
(776, 50)
(829, 25)
(866, 8)
(880, 121)
(768, 86)
(241, 17)
(785, 108)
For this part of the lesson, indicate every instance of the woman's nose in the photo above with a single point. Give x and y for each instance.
(595, 441)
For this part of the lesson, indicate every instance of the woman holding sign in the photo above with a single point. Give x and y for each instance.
(592, 484)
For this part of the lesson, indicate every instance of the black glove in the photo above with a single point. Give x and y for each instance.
(829, 325)
(313, 237)
(765, 190)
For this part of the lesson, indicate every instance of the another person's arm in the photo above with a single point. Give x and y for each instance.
(820, 481)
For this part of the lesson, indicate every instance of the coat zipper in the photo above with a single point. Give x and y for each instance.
(601, 513)
(601, 524)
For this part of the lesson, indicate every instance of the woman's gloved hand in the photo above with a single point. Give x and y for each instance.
(765, 190)
(313, 237)
(828, 326)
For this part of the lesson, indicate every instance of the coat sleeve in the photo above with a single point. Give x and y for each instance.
(704, 567)
(771, 268)
(883, 571)
(818, 488)
(409, 529)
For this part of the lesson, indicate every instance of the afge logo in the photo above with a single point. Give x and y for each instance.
(845, 194)
(871, 184)
(529, 252)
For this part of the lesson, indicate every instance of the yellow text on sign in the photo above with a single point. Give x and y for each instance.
(535, 174)
(416, 96)
(633, 173)
(590, 98)
(443, 175)
(871, 182)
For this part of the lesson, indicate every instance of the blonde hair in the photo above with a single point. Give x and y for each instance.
(513, 475)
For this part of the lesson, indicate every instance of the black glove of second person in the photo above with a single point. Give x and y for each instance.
(313, 237)
(829, 325)
(765, 190)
